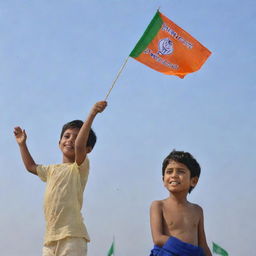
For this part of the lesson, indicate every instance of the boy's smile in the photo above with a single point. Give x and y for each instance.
(174, 183)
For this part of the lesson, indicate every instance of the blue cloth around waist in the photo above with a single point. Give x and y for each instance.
(175, 247)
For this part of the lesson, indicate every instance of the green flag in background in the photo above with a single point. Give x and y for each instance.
(218, 250)
(111, 250)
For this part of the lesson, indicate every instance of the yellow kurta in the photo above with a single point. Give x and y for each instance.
(63, 200)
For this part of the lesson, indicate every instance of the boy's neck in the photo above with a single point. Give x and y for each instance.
(179, 198)
(66, 160)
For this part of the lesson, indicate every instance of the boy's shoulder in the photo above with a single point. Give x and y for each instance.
(158, 203)
(195, 206)
(195, 209)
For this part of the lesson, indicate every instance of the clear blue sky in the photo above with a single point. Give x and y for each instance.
(57, 58)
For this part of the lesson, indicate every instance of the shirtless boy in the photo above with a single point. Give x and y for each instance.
(177, 226)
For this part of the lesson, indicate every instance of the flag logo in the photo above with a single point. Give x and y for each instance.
(165, 46)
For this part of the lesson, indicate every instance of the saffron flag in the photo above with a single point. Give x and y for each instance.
(111, 250)
(167, 48)
(218, 250)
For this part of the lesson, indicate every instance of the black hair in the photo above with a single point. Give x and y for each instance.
(185, 158)
(78, 124)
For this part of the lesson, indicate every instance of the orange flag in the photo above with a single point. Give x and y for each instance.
(167, 48)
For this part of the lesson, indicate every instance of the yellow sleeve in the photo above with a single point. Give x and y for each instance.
(43, 172)
(84, 170)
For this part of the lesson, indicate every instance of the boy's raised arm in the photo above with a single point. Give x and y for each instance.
(28, 161)
(156, 220)
(80, 149)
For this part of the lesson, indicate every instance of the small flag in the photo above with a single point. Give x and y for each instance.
(218, 250)
(111, 250)
(167, 48)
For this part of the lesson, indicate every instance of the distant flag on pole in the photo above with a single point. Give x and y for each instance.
(218, 250)
(111, 251)
(167, 48)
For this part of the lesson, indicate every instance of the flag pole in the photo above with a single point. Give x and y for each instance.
(114, 245)
(118, 74)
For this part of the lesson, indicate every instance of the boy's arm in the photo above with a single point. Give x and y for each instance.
(156, 220)
(28, 161)
(80, 144)
(201, 235)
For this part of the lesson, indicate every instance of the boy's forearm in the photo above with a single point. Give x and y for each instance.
(83, 134)
(81, 148)
(27, 158)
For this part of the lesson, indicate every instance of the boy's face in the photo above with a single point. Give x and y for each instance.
(177, 177)
(67, 143)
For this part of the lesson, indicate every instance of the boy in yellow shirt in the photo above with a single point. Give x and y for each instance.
(66, 234)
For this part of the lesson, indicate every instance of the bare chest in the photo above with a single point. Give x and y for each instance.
(181, 218)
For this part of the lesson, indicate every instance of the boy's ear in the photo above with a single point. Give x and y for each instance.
(88, 149)
(194, 181)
